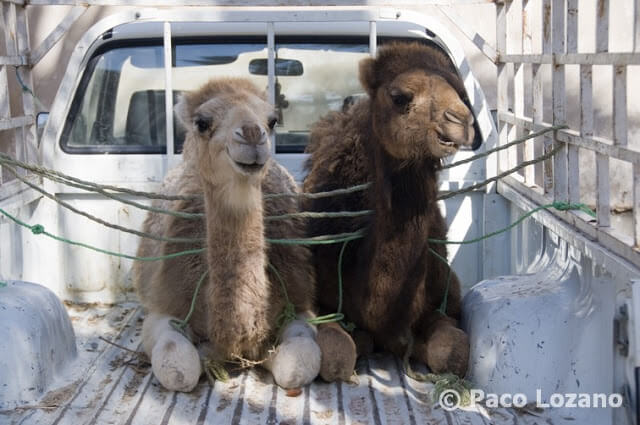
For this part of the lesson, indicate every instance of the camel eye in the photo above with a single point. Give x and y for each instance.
(400, 99)
(202, 124)
(272, 122)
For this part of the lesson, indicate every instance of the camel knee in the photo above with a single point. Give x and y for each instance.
(300, 327)
(296, 361)
(339, 352)
(174, 359)
(446, 349)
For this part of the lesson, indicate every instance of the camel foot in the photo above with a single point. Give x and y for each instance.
(446, 349)
(296, 361)
(174, 359)
(338, 352)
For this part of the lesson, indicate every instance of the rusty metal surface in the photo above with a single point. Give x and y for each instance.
(110, 385)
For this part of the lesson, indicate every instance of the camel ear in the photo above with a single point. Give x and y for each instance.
(183, 111)
(368, 75)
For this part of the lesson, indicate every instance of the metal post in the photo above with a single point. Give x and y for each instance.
(29, 137)
(558, 96)
(503, 82)
(373, 39)
(168, 93)
(546, 169)
(602, 160)
(271, 73)
(573, 159)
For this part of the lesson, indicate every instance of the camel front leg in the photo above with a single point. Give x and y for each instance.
(444, 347)
(339, 353)
(174, 359)
(296, 361)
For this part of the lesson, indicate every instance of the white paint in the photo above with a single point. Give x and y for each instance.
(36, 341)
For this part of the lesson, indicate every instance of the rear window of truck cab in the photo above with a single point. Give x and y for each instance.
(119, 106)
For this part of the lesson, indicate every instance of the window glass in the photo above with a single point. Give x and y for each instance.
(195, 64)
(102, 115)
(120, 106)
(329, 79)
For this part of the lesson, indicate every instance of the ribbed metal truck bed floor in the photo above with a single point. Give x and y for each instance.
(109, 385)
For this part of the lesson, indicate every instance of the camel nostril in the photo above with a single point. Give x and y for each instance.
(454, 117)
(252, 133)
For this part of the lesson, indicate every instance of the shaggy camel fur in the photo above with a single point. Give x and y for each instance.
(414, 116)
(227, 158)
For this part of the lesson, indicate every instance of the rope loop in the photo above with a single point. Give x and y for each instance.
(566, 206)
(37, 229)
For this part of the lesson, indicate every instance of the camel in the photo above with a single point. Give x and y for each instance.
(226, 161)
(416, 113)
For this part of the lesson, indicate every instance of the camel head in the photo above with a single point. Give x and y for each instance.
(228, 123)
(418, 102)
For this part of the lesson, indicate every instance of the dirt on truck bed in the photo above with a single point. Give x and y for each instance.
(111, 383)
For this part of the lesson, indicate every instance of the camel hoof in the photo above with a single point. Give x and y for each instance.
(296, 362)
(448, 351)
(175, 362)
(338, 353)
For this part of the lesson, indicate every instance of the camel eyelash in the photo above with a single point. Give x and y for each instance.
(401, 99)
(203, 123)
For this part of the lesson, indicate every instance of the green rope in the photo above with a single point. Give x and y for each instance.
(441, 382)
(103, 192)
(313, 214)
(288, 314)
(103, 189)
(318, 195)
(443, 305)
(338, 316)
(97, 219)
(350, 326)
(501, 175)
(558, 205)
(26, 89)
(505, 146)
(38, 229)
(320, 240)
(214, 370)
(179, 325)
(4, 158)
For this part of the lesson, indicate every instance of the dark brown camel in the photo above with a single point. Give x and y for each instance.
(415, 115)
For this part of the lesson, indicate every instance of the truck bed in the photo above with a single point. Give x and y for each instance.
(108, 384)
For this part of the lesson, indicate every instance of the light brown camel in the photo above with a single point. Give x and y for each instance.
(226, 158)
(416, 114)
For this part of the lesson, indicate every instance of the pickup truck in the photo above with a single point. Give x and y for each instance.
(550, 304)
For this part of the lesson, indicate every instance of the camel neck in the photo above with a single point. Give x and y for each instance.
(237, 258)
(233, 214)
(404, 191)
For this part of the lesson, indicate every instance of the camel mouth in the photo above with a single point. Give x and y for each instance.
(246, 167)
(249, 168)
(446, 142)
